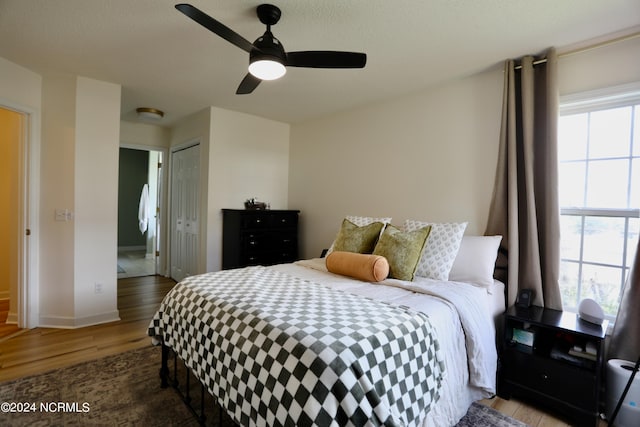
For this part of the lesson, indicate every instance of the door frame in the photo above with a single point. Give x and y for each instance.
(28, 304)
(162, 260)
(169, 236)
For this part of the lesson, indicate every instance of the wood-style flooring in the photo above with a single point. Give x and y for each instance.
(42, 349)
(6, 330)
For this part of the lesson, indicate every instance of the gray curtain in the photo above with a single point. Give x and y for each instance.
(524, 208)
(625, 339)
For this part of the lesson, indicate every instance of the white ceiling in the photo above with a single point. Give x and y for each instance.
(164, 60)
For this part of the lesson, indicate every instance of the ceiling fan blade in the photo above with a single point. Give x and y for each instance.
(248, 84)
(217, 27)
(326, 59)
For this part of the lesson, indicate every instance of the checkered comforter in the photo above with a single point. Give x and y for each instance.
(278, 350)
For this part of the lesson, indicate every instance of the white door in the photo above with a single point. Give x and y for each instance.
(185, 208)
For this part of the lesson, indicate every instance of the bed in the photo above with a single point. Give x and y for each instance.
(298, 344)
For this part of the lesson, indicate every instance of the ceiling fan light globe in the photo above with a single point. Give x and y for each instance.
(267, 69)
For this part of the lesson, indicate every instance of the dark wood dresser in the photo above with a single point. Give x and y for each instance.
(259, 237)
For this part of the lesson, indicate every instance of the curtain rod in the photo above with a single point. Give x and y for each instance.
(587, 48)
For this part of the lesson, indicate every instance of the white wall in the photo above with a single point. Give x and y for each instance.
(249, 157)
(19, 85)
(430, 156)
(610, 65)
(57, 182)
(81, 136)
(96, 201)
(144, 134)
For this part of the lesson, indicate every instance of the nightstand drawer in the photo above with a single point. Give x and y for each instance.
(555, 379)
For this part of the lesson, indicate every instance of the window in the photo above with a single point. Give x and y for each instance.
(599, 179)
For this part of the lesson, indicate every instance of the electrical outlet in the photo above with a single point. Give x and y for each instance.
(98, 288)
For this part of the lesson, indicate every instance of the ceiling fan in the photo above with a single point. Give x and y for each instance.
(267, 57)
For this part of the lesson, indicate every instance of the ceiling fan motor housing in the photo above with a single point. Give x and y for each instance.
(268, 47)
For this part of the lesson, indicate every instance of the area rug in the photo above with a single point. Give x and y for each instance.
(124, 390)
(483, 416)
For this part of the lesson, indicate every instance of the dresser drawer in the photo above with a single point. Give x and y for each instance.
(255, 241)
(283, 220)
(285, 240)
(252, 221)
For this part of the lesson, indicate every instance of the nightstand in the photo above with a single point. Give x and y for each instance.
(553, 358)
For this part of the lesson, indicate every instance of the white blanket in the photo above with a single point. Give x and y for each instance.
(462, 315)
(476, 320)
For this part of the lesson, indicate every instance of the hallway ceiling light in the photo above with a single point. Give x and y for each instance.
(149, 113)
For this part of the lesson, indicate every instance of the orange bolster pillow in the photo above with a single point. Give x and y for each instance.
(370, 268)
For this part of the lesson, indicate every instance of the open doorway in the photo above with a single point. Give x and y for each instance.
(11, 143)
(139, 194)
(19, 162)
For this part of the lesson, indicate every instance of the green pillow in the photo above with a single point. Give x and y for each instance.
(352, 238)
(402, 249)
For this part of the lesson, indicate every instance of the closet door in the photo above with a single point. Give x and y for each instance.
(185, 211)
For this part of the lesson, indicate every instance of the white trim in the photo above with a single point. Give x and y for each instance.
(66, 322)
(142, 147)
(600, 99)
(187, 144)
(613, 213)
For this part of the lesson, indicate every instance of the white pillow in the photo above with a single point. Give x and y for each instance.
(361, 221)
(476, 260)
(441, 247)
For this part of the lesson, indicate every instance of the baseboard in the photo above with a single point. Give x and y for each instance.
(132, 248)
(65, 322)
(12, 318)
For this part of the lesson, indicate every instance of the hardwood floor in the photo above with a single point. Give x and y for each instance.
(42, 349)
(6, 330)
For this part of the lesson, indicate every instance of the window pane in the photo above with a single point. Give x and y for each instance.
(609, 133)
(571, 184)
(607, 184)
(602, 284)
(603, 240)
(570, 234)
(569, 284)
(572, 132)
